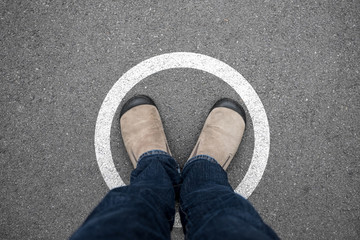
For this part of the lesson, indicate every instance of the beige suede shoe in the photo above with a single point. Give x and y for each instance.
(141, 128)
(222, 132)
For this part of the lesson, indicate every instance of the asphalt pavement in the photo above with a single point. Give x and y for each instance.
(59, 59)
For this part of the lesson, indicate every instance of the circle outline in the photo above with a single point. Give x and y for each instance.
(183, 60)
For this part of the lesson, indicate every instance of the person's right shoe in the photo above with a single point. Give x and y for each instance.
(222, 132)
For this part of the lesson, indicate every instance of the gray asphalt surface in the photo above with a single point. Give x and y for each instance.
(60, 58)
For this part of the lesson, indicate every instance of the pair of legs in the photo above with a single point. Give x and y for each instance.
(209, 208)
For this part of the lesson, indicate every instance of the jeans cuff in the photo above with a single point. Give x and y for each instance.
(200, 157)
(152, 152)
(159, 152)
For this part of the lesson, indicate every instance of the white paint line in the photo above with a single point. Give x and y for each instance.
(184, 60)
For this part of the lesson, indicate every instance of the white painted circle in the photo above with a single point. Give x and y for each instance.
(184, 60)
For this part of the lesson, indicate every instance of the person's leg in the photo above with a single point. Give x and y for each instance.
(145, 209)
(209, 207)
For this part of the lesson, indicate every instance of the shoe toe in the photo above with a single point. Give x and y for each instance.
(136, 101)
(231, 104)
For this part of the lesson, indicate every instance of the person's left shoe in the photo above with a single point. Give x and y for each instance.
(141, 128)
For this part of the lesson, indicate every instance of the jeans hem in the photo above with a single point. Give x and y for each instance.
(153, 152)
(200, 157)
(159, 152)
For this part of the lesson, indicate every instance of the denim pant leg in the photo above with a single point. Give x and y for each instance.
(143, 210)
(210, 209)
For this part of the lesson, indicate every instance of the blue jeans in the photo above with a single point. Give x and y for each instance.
(145, 209)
